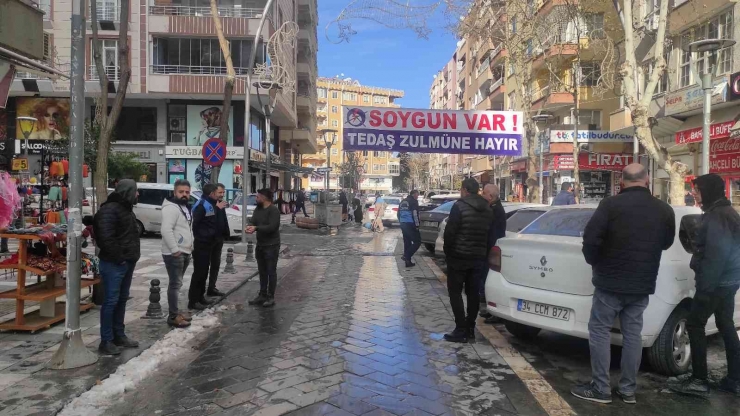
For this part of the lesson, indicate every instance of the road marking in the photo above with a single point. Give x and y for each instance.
(542, 391)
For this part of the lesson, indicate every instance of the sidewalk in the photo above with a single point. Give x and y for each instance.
(27, 387)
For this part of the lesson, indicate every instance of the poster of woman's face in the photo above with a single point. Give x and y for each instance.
(52, 115)
(204, 122)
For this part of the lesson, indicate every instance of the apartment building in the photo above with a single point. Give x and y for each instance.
(175, 95)
(378, 168)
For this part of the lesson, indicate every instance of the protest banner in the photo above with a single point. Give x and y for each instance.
(433, 131)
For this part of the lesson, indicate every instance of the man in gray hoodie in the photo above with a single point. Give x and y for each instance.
(177, 246)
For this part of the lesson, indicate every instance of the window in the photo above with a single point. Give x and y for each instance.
(256, 133)
(108, 10)
(366, 99)
(137, 124)
(376, 154)
(380, 99)
(334, 94)
(512, 101)
(334, 123)
(561, 222)
(45, 6)
(586, 117)
(378, 167)
(662, 85)
(321, 92)
(718, 27)
(521, 219)
(351, 96)
(200, 56)
(394, 169)
(323, 122)
(364, 153)
(592, 25)
(109, 48)
(590, 73)
(153, 196)
(334, 109)
(684, 78)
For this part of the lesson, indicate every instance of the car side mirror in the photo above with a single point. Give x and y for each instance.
(687, 232)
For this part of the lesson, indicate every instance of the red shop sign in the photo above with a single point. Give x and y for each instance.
(594, 161)
(716, 131)
(724, 156)
(519, 166)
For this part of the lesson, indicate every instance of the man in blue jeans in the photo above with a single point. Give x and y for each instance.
(117, 238)
(408, 217)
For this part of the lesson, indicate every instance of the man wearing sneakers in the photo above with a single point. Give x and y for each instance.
(265, 221)
(177, 244)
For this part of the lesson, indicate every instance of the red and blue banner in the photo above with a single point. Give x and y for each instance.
(433, 131)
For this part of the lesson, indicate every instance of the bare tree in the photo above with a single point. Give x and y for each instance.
(418, 167)
(105, 118)
(228, 83)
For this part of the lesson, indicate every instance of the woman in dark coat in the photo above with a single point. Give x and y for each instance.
(357, 207)
(345, 202)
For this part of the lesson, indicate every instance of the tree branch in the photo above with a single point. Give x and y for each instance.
(660, 64)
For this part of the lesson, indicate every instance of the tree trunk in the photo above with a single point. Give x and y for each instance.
(533, 189)
(228, 85)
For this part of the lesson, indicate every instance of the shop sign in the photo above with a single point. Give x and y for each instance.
(519, 166)
(19, 164)
(734, 93)
(196, 152)
(594, 161)
(589, 136)
(692, 98)
(724, 156)
(716, 131)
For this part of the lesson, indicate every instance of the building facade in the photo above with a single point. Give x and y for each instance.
(174, 99)
(377, 168)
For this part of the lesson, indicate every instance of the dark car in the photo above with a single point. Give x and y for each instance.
(429, 223)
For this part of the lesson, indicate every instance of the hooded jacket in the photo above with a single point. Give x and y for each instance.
(115, 227)
(177, 232)
(716, 258)
(466, 235)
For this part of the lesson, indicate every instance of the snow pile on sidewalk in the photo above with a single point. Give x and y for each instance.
(175, 343)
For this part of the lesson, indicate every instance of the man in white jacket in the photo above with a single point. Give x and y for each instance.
(177, 246)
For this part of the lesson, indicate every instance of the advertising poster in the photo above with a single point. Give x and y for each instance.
(204, 122)
(176, 166)
(433, 131)
(52, 115)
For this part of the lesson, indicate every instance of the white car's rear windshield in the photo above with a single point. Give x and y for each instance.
(391, 201)
(446, 207)
(561, 222)
(522, 218)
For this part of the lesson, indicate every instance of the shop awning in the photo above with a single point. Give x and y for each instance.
(666, 127)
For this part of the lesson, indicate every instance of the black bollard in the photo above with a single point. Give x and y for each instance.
(250, 251)
(154, 311)
(229, 261)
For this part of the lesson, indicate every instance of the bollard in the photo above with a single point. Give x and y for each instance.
(229, 261)
(250, 251)
(154, 311)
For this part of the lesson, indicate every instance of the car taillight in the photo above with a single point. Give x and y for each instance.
(395, 209)
(236, 207)
(492, 304)
(371, 209)
(494, 259)
(85, 203)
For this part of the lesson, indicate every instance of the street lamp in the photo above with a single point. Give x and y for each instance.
(541, 118)
(711, 46)
(329, 143)
(272, 89)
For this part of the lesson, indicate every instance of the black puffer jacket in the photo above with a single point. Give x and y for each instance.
(625, 239)
(716, 258)
(466, 235)
(498, 227)
(114, 225)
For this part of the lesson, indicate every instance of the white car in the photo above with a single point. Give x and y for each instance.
(238, 203)
(390, 216)
(542, 281)
(518, 216)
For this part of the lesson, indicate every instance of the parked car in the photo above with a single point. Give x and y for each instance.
(390, 215)
(89, 200)
(518, 216)
(542, 281)
(237, 203)
(429, 194)
(429, 223)
(148, 210)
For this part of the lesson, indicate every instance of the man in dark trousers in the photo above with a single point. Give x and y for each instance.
(300, 204)
(216, 260)
(265, 221)
(210, 228)
(466, 248)
(408, 218)
(495, 231)
(623, 242)
(716, 262)
(117, 237)
(566, 196)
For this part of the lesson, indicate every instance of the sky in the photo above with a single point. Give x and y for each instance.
(381, 57)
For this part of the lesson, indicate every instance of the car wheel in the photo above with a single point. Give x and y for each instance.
(521, 331)
(429, 247)
(670, 355)
(140, 227)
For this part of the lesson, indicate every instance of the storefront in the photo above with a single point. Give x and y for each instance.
(518, 188)
(600, 174)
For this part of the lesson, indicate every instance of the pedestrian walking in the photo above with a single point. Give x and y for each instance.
(495, 231)
(177, 246)
(566, 196)
(344, 203)
(117, 238)
(300, 204)
(716, 262)
(623, 242)
(379, 210)
(357, 208)
(210, 228)
(265, 221)
(466, 247)
(408, 218)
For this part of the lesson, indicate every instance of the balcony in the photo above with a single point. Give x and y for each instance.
(194, 70)
(246, 13)
(544, 7)
(555, 47)
(497, 88)
(498, 53)
(239, 19)
(309, 34)
(306, 96)
(112, 72)
(307, 13)
(485, 68)
(108, 12)
(551, 96)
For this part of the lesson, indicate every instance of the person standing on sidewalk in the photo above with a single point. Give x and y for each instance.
(300, 204)
(495, 231)
(177, 244)
(265, 221)
(716, 262)
(408, 218)
(466, 248)
(223, 221)
(210, 227)
(566, 196)
(117, 237)
(623, 242)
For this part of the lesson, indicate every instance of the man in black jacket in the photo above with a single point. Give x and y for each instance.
(265, 221)
(495, 231)
(716, 262)
(623, 242)
(210, 228)
(117, 237)
(466, 247)
(300, 204)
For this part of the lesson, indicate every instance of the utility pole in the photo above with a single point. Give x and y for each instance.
(72, 352)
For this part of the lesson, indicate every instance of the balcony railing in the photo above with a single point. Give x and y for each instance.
(113, 73)
(108, 14)
(248, 13)
(484, 66)
(496, 51)
(496, 84)
(194, 70)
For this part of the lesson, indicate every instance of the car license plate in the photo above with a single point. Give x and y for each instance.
(542, 309)
(429, 224)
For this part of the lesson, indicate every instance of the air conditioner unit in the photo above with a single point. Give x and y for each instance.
(178, 124)
(177, 138)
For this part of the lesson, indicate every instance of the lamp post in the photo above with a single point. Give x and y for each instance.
(27, 125)
(703, 46)
(268, 107)
(329, 143)
(541, 118)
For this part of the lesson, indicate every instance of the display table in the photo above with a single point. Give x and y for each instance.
(45, 291)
